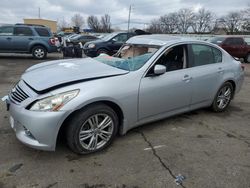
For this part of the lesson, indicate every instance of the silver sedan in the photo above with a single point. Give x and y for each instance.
(91, 100)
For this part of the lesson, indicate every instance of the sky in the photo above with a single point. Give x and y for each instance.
(143, 11)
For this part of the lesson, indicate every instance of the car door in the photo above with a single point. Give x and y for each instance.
(117, 41)
(6, 35)
(206, 67)
(22, 38)
(169, 92)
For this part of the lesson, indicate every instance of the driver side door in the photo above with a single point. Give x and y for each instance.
(169, 93)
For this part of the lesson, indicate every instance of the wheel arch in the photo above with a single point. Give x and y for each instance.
(37, 44)
(111, 104)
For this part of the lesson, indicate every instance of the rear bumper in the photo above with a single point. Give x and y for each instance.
(52, 49)
(36, 129)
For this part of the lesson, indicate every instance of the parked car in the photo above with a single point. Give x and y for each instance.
(82, 39)
(234, 45)
(109, 44)
(92, 99)
(24, 38)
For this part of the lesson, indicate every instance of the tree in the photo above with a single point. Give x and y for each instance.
(105, 23)
(94, 23)
(233, 21)
(168, 22)
(154, 26)
(246, 18)
(62, 24)
(202, 21)
(185, 20)
(77, 20)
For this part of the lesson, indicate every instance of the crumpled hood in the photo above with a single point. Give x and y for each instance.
(45, 76)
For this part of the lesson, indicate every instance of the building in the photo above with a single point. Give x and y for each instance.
(49, 23)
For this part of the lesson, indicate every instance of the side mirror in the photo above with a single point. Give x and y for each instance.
(113, 40)
(159, 69)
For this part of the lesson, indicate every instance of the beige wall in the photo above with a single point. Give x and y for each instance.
(49, 23)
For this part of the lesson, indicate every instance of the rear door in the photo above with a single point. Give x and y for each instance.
(21, 39)
(6, 36)
(206, 67)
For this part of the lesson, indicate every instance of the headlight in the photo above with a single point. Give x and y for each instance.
(91, 45)
(55, 102)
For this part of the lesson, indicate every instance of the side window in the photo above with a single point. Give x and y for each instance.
(42, 32)
(203, 55)
(6, 31)
(229, 41)
(121, 38)
(217, 55)
(23, 31)
(174, 59)
(238, 41)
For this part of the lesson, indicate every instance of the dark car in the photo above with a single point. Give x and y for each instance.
(109, 44)
(23, 38)
(236, 46)
(82, 38)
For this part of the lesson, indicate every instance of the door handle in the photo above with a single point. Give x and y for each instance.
(8, 38)
(186, 78)
(31, 39)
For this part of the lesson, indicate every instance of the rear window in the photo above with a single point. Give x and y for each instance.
(43, 32)
(217, 40)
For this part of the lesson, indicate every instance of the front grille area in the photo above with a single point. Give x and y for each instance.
(18, 95)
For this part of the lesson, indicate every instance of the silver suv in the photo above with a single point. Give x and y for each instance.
(23, 38)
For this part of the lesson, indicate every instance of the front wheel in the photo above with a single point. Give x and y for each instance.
(223, 97)
(39, 52)
(92, 129)
(102, 51)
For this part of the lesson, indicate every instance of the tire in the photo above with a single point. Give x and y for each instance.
(247, 59)
(102, 51)
(39, 52)
(223, 97)
(88, 134)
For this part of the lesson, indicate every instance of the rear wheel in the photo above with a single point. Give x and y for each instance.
(39, 52)
(223, 97)
(92, 129)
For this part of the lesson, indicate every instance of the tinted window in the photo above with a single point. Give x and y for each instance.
(42, 32)
(6, 30)
(121, 38)
(229, 41)
(203, 55)
(238, 41)
(23, 31)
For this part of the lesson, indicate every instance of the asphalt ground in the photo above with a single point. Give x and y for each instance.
(209, 149)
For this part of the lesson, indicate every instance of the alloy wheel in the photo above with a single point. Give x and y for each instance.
(224, 97)
(96, 131)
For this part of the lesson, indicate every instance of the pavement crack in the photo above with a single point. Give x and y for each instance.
(158, 157)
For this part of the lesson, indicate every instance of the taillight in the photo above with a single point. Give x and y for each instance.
(52, 41)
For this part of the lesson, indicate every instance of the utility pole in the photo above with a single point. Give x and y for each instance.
(129, 17)
(39, 16)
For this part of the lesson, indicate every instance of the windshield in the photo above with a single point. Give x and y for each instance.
(129, 57)
(217, 40)
(108, 37)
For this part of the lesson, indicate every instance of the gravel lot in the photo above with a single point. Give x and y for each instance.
(209, 149)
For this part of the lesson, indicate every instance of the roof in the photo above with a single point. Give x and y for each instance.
(157, 39)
